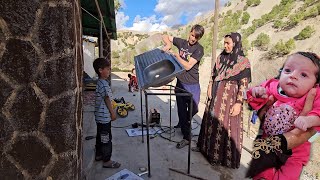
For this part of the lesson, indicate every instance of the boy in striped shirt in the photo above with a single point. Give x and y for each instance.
(104, 114)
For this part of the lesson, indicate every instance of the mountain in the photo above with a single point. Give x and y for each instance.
(276, 19)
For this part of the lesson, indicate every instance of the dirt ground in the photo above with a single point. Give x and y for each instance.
(165, 149)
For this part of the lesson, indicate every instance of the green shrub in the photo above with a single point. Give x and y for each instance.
(262, 41)
(253, 2)
(313, 12)
(318, 6)
(245, 18)
(228, 4)
(115, 54)
(229, 23)
(295, 19)
(305, 33)
(278, 24)
(206, 42)
(246, 46)
(250, 30)
(211, 19)
(308, 3)
(258, 22)
(281, 48)
(284, 2)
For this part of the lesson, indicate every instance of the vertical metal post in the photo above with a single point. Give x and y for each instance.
(101, 41)
(170, 113)
(190, 128)
(141, 108)
(215, 33)
(148, 143)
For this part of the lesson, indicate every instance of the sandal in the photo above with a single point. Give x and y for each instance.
(182, 144)
(195, 149)
(113, 164)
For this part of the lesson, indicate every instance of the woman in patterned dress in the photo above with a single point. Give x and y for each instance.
(220, 138)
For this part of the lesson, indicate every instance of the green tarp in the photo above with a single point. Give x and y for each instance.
(90, 25)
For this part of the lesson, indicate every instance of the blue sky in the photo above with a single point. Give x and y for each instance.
(158, 15)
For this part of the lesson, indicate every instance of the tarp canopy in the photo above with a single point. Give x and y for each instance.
(90, 25)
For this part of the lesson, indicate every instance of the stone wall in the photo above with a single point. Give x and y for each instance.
(40, 89)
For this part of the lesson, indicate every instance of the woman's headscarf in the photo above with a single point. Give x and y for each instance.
(233, 65)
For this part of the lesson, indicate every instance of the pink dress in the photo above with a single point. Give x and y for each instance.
(279, 119)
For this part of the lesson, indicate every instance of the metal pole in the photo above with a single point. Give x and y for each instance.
(101, 17)
(170, 113)
(101, 42)
(215, 33)
(90, 14)
(141, 114)
(190, 128)
(148, 143)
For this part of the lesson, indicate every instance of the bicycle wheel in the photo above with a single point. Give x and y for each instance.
(130, 106)
(122, 112)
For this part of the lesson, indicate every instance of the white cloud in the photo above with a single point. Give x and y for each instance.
(121, 20)
(168, 12)
(147, 24)
(172, 11)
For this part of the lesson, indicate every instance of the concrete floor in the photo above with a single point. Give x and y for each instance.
(132, 153)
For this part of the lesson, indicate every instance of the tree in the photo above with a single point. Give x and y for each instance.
(278, 24)
(262, 41)
(115, 54)
(283, 48)
(295, 19)
(117, 5)
(253, 2)
(245, 18)
(305, 33)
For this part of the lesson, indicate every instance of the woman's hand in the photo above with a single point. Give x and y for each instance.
(235, 110)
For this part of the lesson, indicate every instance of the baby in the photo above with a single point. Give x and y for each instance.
(300, 73)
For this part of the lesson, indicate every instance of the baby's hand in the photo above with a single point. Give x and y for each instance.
(302, 123)
(259, 92)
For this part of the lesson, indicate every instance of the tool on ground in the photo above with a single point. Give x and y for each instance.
(154, 116)
(143, 173)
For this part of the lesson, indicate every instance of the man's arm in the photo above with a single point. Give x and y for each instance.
(186, 64)
(167, 41)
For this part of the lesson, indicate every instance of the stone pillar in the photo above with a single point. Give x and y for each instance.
(40, 89)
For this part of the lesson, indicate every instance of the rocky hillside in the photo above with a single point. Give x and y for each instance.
(271, 30)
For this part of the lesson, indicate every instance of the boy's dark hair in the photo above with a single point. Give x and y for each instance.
(310, 55)
(198, 30)
(100, 63)
(133, 69)
(129, 75)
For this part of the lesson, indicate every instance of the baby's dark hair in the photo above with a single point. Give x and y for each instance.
(129, 75)
(310, 55)
(100, 63)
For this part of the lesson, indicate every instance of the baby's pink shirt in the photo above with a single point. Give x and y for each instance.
(302, 151)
